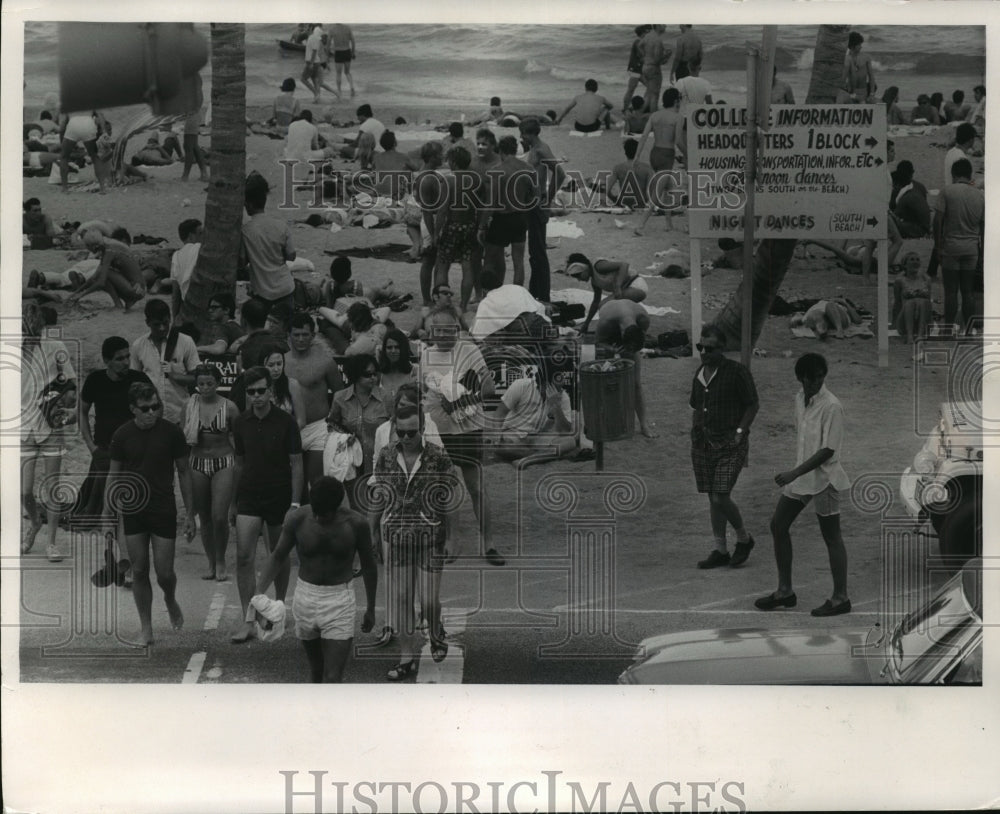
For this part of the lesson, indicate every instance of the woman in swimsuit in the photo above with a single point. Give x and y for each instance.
(605, 277)
(208, 418)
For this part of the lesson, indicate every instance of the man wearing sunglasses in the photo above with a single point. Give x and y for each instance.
(144, 454)
(724, 400)
(267, 481)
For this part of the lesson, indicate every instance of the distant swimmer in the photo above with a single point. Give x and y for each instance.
(857, 84)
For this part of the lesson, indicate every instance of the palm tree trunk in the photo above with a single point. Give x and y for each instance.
(828, 64)
(774, 257)
(215, 270)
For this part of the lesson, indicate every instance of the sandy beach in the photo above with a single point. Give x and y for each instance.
(879, 442)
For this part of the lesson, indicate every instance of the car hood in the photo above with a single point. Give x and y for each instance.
(754, 656)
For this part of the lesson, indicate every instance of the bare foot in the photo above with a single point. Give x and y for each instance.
(647, 432)
(208, 576)
(244, 634)
(145, 637)
(221, 575)
(176, 617)
(637, 232)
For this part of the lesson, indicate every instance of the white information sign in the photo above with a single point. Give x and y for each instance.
(821, 173)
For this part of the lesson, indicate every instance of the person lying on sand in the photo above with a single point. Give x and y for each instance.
(836, 314)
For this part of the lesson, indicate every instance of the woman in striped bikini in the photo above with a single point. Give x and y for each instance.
(207, 421)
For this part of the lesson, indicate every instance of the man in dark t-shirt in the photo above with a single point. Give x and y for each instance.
(107, 392)
(144, 454)
(267, 482)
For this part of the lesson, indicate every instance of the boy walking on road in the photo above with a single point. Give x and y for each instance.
(817, 477)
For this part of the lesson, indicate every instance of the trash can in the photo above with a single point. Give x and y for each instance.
(607, 395)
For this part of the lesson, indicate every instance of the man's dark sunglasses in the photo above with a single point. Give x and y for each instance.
(149, 408)
(407, 433)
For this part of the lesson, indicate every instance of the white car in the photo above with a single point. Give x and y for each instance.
(939, 643)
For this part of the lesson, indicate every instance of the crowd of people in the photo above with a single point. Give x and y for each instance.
(315, 422)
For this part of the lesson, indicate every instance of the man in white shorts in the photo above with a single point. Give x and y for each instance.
(326, 535)
(817, 478)
(312, 365)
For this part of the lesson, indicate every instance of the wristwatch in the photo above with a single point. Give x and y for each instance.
(296, 505)
(739, 431)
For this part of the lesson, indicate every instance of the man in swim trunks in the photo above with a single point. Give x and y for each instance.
(687, 50)
(342, 40)
(486, 164)
(267, 481)
(654, 53)
(634, 67)
(549, 177)
(591, 109)
(326, 536)
(858, 80)
(150, 448)
(507, 225)
(312, 365)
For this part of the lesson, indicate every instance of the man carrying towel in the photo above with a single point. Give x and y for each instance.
(326, 536)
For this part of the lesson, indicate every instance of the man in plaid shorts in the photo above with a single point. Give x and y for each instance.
(724, 400)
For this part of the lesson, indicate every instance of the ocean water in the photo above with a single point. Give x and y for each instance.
(441, 70)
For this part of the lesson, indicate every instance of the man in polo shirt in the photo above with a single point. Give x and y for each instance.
(149, 449)
(724, 400)
(817, 478)
(266, 248)
(168, 357)
(267, 481)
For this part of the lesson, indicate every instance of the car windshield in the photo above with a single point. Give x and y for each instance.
(928, 644)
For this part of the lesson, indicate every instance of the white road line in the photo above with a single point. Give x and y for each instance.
(451, 669)
(197, 661)
(193, 671)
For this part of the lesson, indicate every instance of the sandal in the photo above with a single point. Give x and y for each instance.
(402, 670)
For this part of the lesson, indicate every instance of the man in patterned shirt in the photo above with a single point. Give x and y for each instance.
(724, 400)
(415, 491)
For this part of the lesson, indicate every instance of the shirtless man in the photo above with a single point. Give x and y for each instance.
(605, 277)
(621, 329)
(119, 273)
(591, 109)
(312, 365)
(429, 194)
(507, 225)
(326, 536)
(342, 41)
(654, 54)
(686, 51)
(486, 164)
(858, 81)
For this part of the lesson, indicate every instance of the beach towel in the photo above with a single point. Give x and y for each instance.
(140, 123)
(501, 306)
(863, 331)
(563, 228)
(274, 611)
(341, 458)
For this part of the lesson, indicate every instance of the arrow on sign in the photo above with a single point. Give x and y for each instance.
(872, 222)
(879, 162)
(870, 142)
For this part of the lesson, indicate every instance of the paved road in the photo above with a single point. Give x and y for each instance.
(532, 621)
